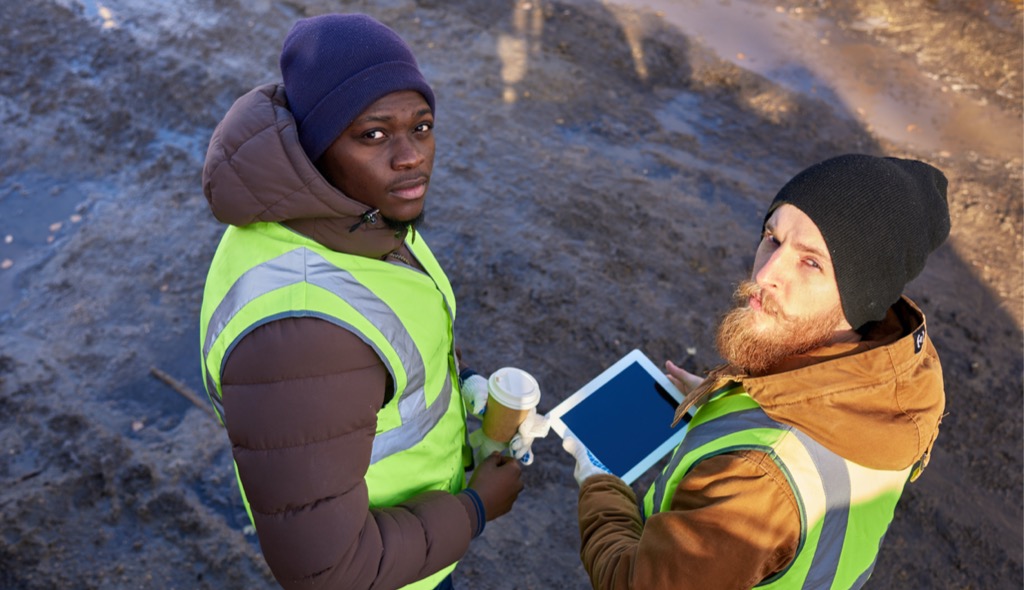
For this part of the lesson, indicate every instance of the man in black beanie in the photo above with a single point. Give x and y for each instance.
(327, 326)
(799, 446)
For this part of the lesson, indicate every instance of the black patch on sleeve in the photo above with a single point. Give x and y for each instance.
(918, 339)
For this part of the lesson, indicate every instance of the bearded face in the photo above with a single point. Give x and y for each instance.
(792, 305)
(757, 340)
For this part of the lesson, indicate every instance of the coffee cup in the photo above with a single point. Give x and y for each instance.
(511, 394)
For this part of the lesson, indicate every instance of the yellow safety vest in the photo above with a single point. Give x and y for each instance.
(264, 272)
(845, 508)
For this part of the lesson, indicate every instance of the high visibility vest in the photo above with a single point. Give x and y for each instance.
(264, 272)
(845, 508)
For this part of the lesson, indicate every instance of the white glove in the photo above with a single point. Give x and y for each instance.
(586, 463)
(474, 395)
(535, 426)
(483, 446)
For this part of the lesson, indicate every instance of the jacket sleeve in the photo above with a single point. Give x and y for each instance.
(732, 522)
(301, 397)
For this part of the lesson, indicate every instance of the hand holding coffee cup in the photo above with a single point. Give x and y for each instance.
(511, 394)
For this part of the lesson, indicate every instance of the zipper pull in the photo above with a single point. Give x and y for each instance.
(368, 217)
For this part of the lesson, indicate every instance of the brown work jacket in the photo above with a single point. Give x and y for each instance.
(734, 519)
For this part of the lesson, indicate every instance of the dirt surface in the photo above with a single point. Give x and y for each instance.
(602, 171)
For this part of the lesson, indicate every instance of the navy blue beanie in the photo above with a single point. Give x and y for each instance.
(880, 218)
(335, 66)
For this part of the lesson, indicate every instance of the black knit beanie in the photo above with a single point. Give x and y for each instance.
(336, 65)
(880, 217)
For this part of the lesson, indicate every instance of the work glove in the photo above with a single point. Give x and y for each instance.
(474, 395)
(535, 426)
(586, 463)
(483, 446)
(520, 447)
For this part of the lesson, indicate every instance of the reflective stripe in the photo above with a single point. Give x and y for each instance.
(412, 431)
(342, 284)
(863, 577)
(835, 479)
(304, 265)
(832, 472)
(211, 392)
(705, 433)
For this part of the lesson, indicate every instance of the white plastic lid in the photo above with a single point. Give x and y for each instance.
(514, 388)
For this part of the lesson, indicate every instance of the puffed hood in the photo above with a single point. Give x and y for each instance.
(256, 170)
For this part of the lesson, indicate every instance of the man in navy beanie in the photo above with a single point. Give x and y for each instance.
(327, 325)
(799, 446)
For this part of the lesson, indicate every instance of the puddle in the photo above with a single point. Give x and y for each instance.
(36, 212)
(883, 90)
(150, 22)
(99, 12)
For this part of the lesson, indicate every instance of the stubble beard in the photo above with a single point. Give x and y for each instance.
(757, 350)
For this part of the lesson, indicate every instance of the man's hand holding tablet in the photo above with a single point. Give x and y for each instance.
(622, 418)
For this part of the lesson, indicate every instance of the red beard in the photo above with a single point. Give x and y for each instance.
(757, 349)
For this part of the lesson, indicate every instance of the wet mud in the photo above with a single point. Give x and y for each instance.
(601, 174)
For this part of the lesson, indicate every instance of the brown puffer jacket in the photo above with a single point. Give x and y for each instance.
(301, 395)
(734, 519)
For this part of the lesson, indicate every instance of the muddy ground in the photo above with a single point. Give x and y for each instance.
(601, 173)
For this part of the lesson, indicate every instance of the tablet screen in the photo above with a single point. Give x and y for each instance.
(626, 421)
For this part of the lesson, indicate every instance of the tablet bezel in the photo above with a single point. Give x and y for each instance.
(634, 356)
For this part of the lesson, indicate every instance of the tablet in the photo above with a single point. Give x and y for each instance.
(624, 416)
